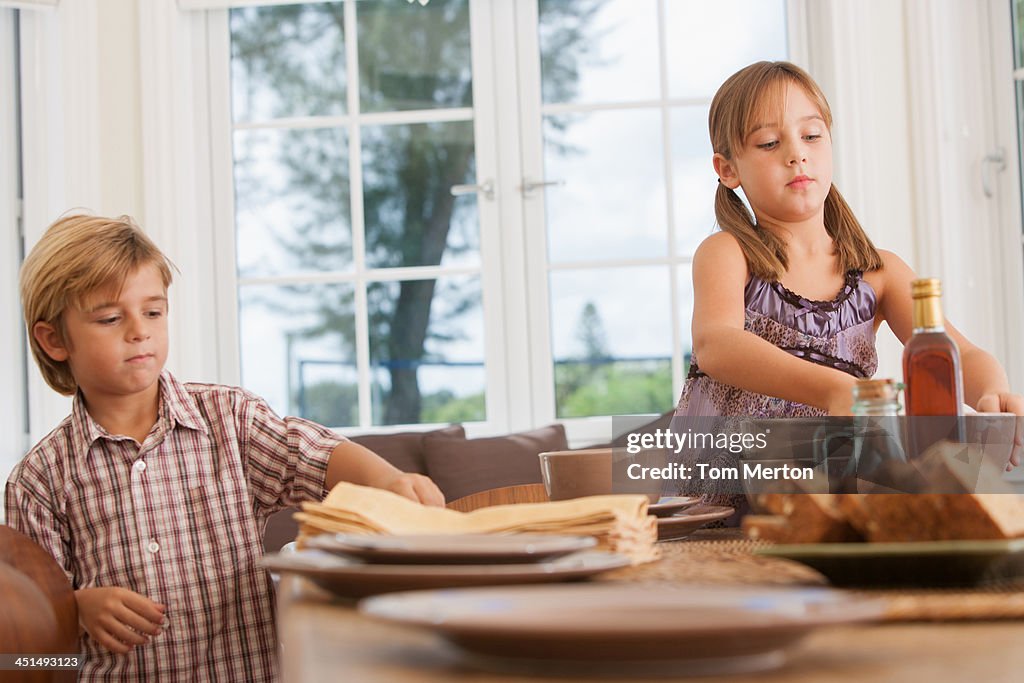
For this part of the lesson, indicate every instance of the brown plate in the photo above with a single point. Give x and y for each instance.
(669, 505)
(711, 629)
(686, 522)
(452, 548)
(353, 578)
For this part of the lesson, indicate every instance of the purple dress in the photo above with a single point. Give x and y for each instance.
(839, 334)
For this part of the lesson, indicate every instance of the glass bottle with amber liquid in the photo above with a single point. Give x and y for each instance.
(934, 390)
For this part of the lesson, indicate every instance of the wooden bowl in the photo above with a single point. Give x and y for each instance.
(27, 557)
(27, 623)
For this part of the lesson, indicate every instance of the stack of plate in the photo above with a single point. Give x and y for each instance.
(353, 565)
(680, 516)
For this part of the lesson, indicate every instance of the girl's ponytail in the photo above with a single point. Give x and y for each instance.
(853, 247)
(765, 253)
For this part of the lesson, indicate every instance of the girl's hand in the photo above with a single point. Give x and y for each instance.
(117, 618)
(1006, 403)
(415, 487)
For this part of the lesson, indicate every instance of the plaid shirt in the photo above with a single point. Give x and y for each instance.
(179, 519)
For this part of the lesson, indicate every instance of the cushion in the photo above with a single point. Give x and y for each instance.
(404, 450)
(661, 422)
(460, 467)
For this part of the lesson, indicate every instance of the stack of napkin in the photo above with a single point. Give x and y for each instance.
(619, 522)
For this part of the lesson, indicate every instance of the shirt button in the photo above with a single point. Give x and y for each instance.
(153, 547)
(139, 466)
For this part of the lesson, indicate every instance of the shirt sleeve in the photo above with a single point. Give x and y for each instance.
(286, 457)
(28, 509)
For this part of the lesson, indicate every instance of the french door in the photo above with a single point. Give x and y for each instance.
(472, 210)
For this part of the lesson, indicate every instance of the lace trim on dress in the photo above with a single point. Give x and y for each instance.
(850, 284)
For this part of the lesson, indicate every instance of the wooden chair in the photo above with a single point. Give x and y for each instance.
(39, 617)
(281, 529)
(506, 495)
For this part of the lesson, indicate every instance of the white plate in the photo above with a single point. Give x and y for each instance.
(714, 629)
(452, 548)
(350, 577)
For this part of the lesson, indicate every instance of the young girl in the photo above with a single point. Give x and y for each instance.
(787, 300)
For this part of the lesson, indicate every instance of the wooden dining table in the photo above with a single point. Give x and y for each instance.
(326, 638)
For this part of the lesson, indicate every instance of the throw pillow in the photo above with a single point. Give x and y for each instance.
(460, 467)
(404, 450)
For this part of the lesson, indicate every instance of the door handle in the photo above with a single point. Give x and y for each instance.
(485, 188)
(529, 186)
(997, 159)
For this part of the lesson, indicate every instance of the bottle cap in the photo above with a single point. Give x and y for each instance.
(874, 389)
(926, 287)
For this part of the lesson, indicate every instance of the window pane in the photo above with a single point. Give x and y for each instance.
(412, 219)
(684, 312)
(298, 351)
(427, 350)
(613, 202)
(598, 50)
(287, 60)
(413, 56)
(1017, 12)
(710, 41)
(612, 341)
(693, 178)
(292, 201)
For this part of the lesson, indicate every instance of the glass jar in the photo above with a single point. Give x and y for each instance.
(876, 397)
(878, 438)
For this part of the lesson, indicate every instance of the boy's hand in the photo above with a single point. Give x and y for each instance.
(412, 486)
(117, 618)
(1006, 403)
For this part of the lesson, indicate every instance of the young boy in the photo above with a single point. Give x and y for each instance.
(153, 494)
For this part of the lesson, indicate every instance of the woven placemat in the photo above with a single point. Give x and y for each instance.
(725, 557)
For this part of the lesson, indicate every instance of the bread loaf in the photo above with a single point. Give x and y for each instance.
(952, 492)
(807, 518)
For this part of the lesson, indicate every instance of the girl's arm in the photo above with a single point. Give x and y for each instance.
(985, 385)
(732, 355)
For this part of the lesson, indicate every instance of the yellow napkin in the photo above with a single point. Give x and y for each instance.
(619, 522)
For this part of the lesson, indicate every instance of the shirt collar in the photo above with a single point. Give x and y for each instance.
(177, 404)
(176, 407)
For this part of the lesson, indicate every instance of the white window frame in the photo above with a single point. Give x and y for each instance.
(965, 237)
(538, 269)
(13, 434)
(1009, 240)
(490, 267)
(60, 142)
(188, 181)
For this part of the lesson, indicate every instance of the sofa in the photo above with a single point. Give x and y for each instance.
(459, 466)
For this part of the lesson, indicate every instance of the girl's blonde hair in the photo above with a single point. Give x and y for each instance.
(743, 101)
(77, 256)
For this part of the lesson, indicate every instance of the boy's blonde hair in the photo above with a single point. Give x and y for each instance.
(76, 256)
(750, 96)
